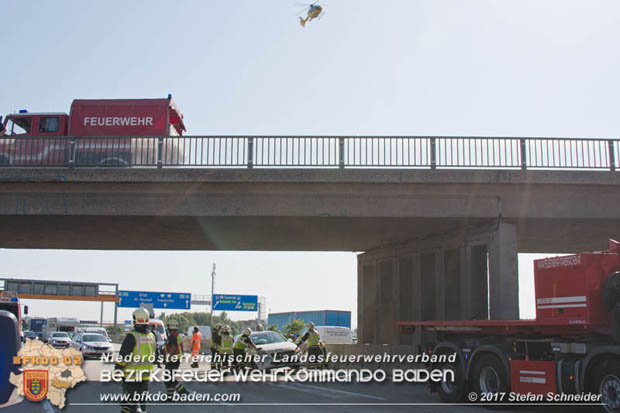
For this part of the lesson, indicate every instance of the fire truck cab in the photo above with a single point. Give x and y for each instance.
(24, 124)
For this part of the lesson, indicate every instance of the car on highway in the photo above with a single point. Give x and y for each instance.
(59, 339)
(28, 334)
(278, 351)
(97, 330)
(92, 345)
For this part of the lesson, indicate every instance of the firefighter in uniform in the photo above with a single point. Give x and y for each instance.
(241, 346)
(174, 353)
(226, 346)
(315, 347)
(140, 346)
(216, 341)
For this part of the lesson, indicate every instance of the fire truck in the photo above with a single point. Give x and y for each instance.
(105, 132)
(9, 301)
(571, 349)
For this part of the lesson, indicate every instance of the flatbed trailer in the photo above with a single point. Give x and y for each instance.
(571, 348)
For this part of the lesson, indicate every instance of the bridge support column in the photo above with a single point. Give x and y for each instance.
(503, 273)
(445, 277)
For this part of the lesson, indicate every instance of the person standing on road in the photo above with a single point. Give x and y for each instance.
(241, 346)
(226, 346)
(216, 341)
(196, 338)
(315, 348)
(174, 353)
(136, 358)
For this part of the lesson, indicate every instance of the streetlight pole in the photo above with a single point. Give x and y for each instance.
(212, 288)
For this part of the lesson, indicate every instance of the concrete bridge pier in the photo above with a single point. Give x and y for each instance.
(441, 277)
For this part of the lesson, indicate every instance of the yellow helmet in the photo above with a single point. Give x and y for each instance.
(173, 325)
(247, 331)
(141, 316)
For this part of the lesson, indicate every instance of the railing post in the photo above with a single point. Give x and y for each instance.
(523, 154)
(71, 152)
(160, 148)
(433, 153)
(341, 152)
(250, 153)
(612, 155)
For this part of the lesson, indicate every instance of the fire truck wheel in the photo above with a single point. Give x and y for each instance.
(488, 375)
(611, 291)
(453, 392)
(615, 323)
(607, 381)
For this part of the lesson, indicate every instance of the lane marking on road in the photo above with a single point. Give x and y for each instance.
(303, 387)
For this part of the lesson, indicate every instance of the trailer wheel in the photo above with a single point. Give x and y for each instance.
(607, 381)
(453, 392)
(488, 375)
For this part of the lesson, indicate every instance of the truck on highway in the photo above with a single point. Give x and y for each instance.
(36, 326)
(102, 130)
(64, 324)
(571, 348)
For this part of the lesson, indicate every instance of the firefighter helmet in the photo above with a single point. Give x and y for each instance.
(173, 324)
(141, 316)
(218, 326)
(226, 329)
(247, 331)
(310, 325)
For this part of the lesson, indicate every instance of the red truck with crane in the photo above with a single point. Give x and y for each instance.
(102, 130)
(570, 352)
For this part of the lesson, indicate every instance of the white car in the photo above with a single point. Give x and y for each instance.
(279, 351)
(97, 330)
(59, 339)
(92, 345)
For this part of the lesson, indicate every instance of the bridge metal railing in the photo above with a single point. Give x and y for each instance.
(425, 152)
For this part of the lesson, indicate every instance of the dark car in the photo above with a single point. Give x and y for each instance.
(30, 335)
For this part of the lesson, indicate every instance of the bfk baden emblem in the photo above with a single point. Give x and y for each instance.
(36, 384)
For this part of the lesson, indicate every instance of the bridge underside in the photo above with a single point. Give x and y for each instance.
(284, 233)
(434, 242)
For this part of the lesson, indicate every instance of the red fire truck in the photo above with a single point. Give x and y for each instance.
(571, 348)
(102, 132)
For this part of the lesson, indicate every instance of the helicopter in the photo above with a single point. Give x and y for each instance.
(313, 11)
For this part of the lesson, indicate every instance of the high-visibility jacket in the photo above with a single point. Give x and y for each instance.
(241, 344)
(226, 346)
(196, 343)
(313, 338)
(142, 356)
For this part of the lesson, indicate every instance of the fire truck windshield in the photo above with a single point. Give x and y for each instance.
(19, 126)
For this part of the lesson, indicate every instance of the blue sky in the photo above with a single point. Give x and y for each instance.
(434, 67)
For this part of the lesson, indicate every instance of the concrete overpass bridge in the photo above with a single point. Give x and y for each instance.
(436, 238)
